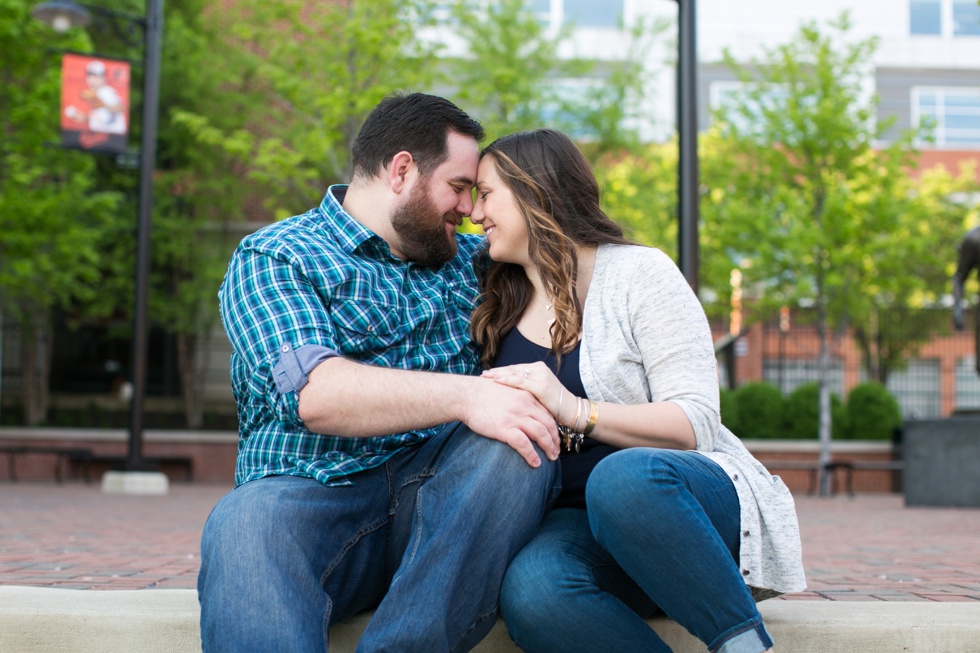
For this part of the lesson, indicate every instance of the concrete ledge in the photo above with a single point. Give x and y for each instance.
(44, 620)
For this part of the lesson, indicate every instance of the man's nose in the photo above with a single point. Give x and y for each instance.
(465, 205)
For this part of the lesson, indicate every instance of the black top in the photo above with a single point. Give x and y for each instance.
(575, 467)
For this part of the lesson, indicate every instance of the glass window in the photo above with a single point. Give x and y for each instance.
(958, 101)
(966, 18)
(729, 97)
(952, 115)
(917, 389)
(541, 9)
(925, 16)
(594, 13)
(967, 385)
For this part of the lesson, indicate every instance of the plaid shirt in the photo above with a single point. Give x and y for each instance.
(322, 284)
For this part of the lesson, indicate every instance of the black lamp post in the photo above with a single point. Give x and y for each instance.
(687, 140)
(62, 15)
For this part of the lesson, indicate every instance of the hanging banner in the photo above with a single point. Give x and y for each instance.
(94, 103)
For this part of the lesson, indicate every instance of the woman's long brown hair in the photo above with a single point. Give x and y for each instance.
(557, 193)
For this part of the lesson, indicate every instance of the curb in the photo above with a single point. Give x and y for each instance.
(47, 620)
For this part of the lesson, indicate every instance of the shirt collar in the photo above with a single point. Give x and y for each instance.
(350, 233)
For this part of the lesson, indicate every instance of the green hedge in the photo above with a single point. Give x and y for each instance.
(759, 411)
(801, 415)
(872, 412)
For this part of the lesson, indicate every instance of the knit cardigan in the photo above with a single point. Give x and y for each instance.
(646, 339)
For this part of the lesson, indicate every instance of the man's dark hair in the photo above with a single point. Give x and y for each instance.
(417, 123)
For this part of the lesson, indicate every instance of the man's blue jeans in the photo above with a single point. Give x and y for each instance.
(425, 539)
(660, 531)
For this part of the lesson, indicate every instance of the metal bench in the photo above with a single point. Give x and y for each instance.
(847, 466)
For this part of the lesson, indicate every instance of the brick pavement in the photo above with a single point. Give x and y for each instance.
(871, 548)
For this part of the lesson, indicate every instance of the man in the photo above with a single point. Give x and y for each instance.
(374, 471)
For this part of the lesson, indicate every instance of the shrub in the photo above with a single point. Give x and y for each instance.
(759, 411)
(873, 412)
(802, 413)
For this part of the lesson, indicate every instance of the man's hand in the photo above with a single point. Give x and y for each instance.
(514, 417)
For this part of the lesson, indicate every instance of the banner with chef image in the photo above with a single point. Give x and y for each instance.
(94, 103)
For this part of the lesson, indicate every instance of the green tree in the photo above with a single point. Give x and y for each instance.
(51, 215)
(806, 207)
(197, 202)
(196, 197)
(640, 193)
(512, 78)
(303, 77)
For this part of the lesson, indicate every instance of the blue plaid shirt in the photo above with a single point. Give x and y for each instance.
(322, 284)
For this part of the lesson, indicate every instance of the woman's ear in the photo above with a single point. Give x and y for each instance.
(401, 167)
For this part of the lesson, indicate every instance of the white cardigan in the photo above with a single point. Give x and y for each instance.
(646, 339)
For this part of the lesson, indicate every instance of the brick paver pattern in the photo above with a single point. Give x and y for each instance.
(870, 548)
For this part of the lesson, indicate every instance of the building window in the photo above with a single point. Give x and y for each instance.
(966, 18)
(917, 389)
(580, 13)
(728, 98)
(593, 13)
(967, 385)
(944, 18)
(952, 115)
(925, 17)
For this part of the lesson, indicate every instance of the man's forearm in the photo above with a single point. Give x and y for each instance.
(349, 399)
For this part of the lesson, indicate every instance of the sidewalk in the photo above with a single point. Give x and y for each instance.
(870, 548)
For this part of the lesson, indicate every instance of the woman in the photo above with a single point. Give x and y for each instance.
(662, 508)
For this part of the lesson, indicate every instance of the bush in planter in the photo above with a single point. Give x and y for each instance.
(873, 412)
(729, 409)
(802, 414)
(759, 411)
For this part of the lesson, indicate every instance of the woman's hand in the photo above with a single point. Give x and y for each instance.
(540, 381)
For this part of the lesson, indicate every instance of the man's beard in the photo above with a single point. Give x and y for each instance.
(422, 230)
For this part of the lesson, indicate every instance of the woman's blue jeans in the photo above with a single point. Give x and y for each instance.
(424, 539)
(660, 532)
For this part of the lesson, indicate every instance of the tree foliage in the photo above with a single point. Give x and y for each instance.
(806, 203)
(51, 215)
(514, 75)
(303, 76)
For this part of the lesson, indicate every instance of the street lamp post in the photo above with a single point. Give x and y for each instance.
(61, 15)
(687, 139)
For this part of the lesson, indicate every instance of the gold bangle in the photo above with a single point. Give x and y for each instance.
(593, 417)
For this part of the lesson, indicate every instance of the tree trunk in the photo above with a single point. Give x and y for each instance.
(36, 370)
(825, 416)
(193, 374)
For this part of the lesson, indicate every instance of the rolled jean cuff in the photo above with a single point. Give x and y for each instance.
(749, 637)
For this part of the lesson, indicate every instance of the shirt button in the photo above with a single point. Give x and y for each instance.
(735, 477)
(745, 572)
(746, 533)
(285, 347)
